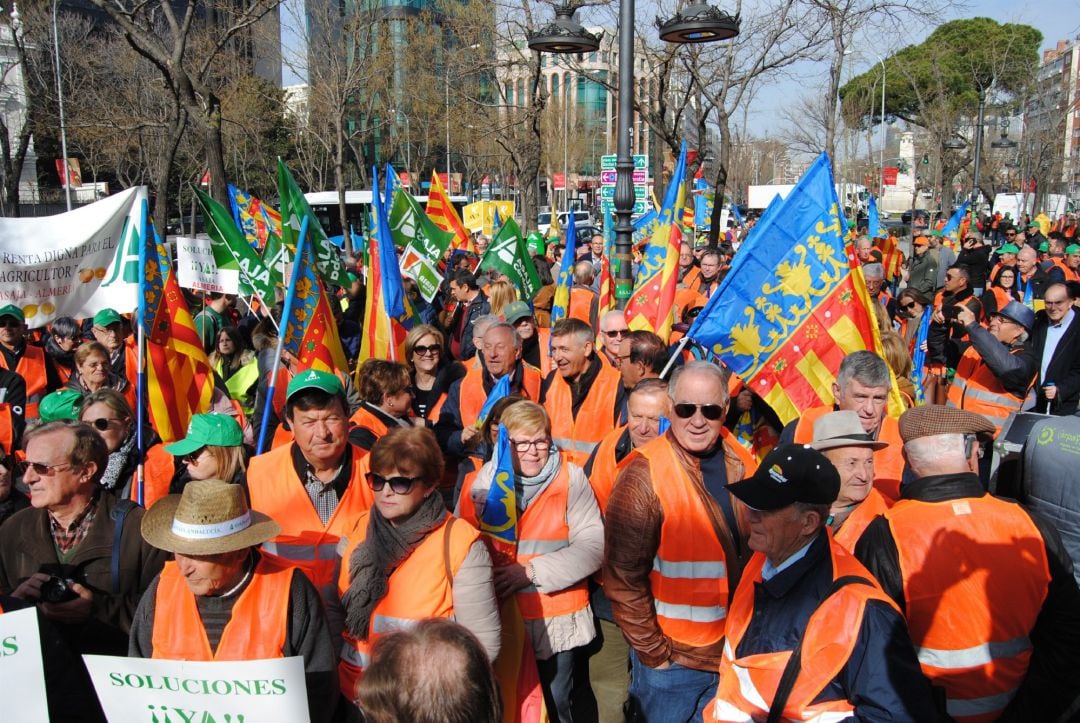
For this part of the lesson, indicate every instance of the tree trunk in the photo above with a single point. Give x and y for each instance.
(215, 151)
(721, 177)
(160, 177)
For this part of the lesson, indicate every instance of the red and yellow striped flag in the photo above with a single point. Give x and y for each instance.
(440, 210)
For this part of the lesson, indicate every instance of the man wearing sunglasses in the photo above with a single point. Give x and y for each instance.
(28, 361)
(672, 548)
(613, 330)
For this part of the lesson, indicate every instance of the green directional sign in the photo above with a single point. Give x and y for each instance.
(608, 162)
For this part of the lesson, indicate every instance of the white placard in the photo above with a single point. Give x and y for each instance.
(21, 669)
(76, 263)
(197, 269)
(172, 691)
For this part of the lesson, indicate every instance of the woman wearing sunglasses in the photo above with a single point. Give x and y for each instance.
(109, 414)
(1002, 291)
(409, 559)
(93, 371)
(212, 449)
(560, 544)
(432, 371)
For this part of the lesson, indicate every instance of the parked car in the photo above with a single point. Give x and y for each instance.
(921, 219)
(543, 220)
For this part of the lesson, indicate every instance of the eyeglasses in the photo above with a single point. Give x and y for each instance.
(909, 306)
(193, 457)
(618, 333)
(400, 485)
(954, 277)
(423, 349)
(41, 470)
(712, 412)
(104, 423)
(1010, 234)
(524, 445)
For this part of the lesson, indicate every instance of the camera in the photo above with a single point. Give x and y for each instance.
(950, 312)
(57, 589)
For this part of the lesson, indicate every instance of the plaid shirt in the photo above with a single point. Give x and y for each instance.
(73, 534)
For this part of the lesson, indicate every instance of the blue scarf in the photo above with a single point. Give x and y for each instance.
(919, 359)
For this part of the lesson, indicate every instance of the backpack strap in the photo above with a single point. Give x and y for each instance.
(794, 664)
(446, 549)
(119, 515)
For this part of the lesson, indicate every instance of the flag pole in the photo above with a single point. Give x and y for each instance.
(290, 292)
(674, 356)
(140, 335)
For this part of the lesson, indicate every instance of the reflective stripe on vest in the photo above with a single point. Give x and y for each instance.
(697, 569)
(976, 389)
(570, 445)
(973, 707)
(541, 547)
(352, 656)
(690, 613)
(983, 654)
(579, 435)
(382, 624)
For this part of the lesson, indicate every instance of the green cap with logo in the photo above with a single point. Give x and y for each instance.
(218, 430)
(515, 311)
(106, 317)
(12, 311)
(61, 404)
(1009, 249)
(314, 379)
(1044, 247)
(535, 242)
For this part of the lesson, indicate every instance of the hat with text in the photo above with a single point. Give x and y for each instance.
(12, 311)
(790, 473)
(314, 379)
(61, 404)
(106, 317)
(516, 311)
(210, 517)
(218, 430)
(842, 429)
(933, 419)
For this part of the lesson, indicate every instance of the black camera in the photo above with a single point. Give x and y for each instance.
(950, 312)
(57, 589)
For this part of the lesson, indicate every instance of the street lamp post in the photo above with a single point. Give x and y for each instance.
(881, 153)
(978, 144)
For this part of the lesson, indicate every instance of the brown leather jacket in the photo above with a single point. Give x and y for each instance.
(632, 536)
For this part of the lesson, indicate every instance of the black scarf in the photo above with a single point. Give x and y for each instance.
(374, 560)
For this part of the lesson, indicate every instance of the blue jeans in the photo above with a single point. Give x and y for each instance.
(674, 695)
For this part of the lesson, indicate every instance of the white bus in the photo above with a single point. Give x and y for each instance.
(357, 209)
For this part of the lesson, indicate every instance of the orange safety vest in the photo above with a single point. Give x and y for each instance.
(975, 577)
(7, 429)
(578, 436)
(364, 418)
(581, 305)
(472, 395)
(158, 469)
(436, 409)
(888, 462)
(689, 577)
(31, 368)
(605, 469)
(544, 334)
(304, 541)
(1070, 275)
(976, 389)
(860, 518)
(542, 529)
(748, 684)
(418, 589)
(256, 631)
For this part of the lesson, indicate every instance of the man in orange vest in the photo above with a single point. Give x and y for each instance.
(580, 394)
(613, 330)
(314, 487)
(28, 361)
(807, 611)
(862, 385)
(219, 599)
(672, 545)
(708, 279)
(987, 587)
(584, 302)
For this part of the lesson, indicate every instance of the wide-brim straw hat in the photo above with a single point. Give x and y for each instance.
(210, 517)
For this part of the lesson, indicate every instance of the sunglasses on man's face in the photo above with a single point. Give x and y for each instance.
(712, 412)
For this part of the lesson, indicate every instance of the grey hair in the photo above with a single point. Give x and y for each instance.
(874, 270)
(483, 323)
(1024, 336)
(509, 327)
(821, 510)
(704, 367)
(865, 366)
(935, 454)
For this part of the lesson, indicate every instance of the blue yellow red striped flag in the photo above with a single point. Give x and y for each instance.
(607, 270)
(794, 303)
(387, 316)
(256, 219)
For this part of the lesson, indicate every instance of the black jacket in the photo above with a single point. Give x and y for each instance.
(1063, 369)
(472, 311)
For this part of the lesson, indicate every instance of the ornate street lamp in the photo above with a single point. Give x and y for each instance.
(1004, 142)
(699, 23)
(564, 34)
(954, 144)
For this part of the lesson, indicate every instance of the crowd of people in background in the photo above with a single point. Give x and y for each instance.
(681, 553)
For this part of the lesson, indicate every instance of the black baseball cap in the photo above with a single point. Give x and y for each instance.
(790, 473)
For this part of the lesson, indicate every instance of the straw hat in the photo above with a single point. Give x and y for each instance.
(210, 517)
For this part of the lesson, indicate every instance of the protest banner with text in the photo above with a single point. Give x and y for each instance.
(197, 269)
(21, 668)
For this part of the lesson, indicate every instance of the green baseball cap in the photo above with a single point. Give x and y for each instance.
(1044, 247)
(12, 311)
(219, 430)
(516, 311)
(61, 404)
(314, 379)
(1009, 249)
(535, 242)
(1035, 224)
(1072, 249)
(106, 317)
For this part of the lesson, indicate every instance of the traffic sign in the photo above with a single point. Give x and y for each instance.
(640, 192)
(641, 162)
(607, 178)
(640, 207)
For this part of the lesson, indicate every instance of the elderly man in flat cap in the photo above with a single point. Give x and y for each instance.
(986, 586)
(807, 611)
(220, 599)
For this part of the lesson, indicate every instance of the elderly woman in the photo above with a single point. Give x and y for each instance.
(560, 544)
(219, 599)
(111, 417)
(385, 401)
(93, 371)
(409, 559)
(432, 370)
(212, 449)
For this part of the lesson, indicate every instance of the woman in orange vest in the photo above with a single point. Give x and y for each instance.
(93, 371)
(432, 370)
(212, 449)
(386, 401)
(408, 559)
(560, 541)
(219, 599)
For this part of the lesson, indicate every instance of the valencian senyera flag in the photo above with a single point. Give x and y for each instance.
(565, 280)
(387, 315)
(256, 219)
(179, 379)
(232, 251)
(645, 226)
(500, 389)
(650, 305)
(873, 219)
(310, 332)
(508, 254)
(294, 207)
(607, 272)
(793, 304)
(441, 210)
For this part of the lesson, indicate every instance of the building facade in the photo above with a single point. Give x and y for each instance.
(1052, 120)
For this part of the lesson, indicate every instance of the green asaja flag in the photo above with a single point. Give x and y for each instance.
(294, 207)
(508, 254)
(232, 251)
(423, 242)
(275, 256)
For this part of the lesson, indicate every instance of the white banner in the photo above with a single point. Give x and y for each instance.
(73, 264)
(136, 689)
(21, 668)
(197, 269)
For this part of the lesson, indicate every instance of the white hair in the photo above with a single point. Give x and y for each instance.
(936, 454)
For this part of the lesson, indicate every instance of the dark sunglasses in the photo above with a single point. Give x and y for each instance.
(712, 412)
(10, 322)
(424, 349)
(103, 423)
(618, 333)
(193, 457)
(400, 485)
(41, 470)
(908, 306)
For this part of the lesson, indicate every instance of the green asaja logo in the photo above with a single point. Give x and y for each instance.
(1046, 436)
(125, 267)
